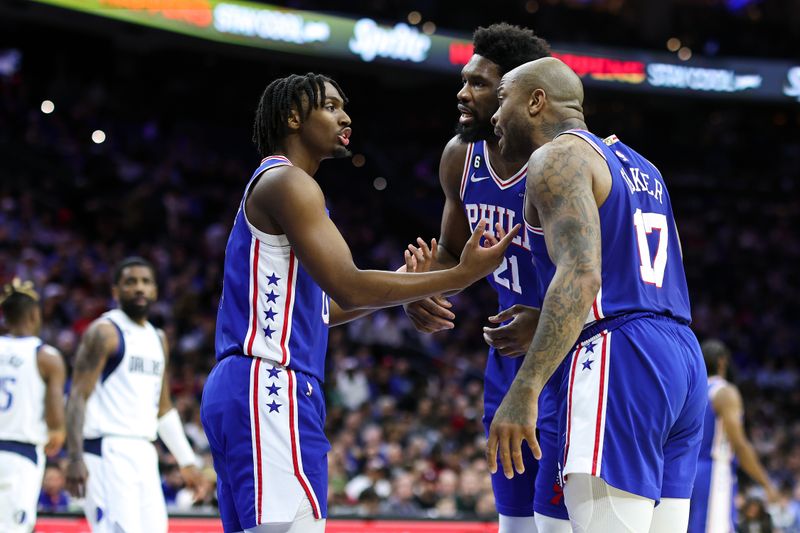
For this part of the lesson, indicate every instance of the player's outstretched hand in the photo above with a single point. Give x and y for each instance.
(514, 338)
(76, 477)
(479, 261)
(514, 421)
(433, 314)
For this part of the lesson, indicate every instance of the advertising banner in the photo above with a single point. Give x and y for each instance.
(366, 40)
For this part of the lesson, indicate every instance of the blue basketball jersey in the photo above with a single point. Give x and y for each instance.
(486, 196)
(270, 306)
(642, 262)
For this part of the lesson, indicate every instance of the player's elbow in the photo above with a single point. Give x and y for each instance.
(590, 282)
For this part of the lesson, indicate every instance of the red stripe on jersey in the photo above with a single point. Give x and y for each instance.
(569, 400)
(297, 474)
(598, 423)
(256, 422)
(254, 309)
(287, 308)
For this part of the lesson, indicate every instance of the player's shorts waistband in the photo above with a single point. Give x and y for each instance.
(25, 449)
(614, 322)
(95, 445)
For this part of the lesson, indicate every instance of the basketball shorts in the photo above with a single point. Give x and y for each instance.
(123, 492)
(712, 509)
(539, 488)
(633, 398)
(265, 425)
(21, 471)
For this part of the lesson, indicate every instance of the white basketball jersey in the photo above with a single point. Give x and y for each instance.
(125, 400)
(22, 391)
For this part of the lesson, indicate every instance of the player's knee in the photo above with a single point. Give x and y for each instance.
(595, 507)
(548, 524)
(671, 516)
(517, 524)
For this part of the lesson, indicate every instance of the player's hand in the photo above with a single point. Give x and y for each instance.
(772, 494)
(479, 261)
(514, 338)
(76, 477)
(433, 314)
(192, 477)
(55, 441)
(420, 258)
(514, 421)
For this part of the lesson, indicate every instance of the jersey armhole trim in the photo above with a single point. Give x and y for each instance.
(280, 241)
(465, 173)
(114, 361)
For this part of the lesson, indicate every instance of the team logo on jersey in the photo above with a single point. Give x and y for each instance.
(621, 156)
(310, 390)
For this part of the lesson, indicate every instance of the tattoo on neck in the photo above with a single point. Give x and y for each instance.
(552, 129)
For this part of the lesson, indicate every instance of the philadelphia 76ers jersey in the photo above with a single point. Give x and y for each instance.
(488, 197)
(642, 260)
(270, 306)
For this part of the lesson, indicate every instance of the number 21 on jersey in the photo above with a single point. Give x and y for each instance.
(651, 271)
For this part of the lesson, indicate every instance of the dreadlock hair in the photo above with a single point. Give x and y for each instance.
(129, 262)
(301, 93)
(16, 301)
(509, 46)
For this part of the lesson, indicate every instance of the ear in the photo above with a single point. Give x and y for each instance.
(294, 121)
(537, 101)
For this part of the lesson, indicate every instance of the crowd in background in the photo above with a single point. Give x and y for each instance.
(404, 409)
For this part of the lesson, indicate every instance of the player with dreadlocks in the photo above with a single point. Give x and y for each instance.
(479, 183)
(31, 406)
(263, 409)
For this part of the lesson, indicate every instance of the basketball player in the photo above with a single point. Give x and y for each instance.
(262, 408)
(478, 183)
(632, 394)
(724, 441)
(118, 403)
(31, 407)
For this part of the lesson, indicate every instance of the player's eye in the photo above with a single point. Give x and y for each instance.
(330, 107)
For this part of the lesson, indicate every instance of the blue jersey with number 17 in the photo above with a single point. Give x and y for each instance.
(642, 260)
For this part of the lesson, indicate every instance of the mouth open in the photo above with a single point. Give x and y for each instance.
(466, 115)
(344, 136)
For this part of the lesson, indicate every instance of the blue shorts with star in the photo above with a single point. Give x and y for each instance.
(265, 426)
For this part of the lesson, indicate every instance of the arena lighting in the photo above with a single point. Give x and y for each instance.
(98, 136)
(429, 28)
(358, 160)
(48, 107)
(673, 44)
(685, 53)
(326, 37)
(379, 183)
(415, 17)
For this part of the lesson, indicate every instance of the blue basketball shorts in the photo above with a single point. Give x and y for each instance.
(539, 488)
(712, 509)
(633, 395)
(265, 425)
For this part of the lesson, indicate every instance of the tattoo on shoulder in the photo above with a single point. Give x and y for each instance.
(93, 347)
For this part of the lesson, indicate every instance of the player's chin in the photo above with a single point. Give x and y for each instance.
(341, 152)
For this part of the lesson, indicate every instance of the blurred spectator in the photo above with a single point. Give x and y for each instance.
(53, 498)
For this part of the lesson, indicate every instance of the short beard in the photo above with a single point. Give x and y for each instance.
(475, 133)
(134, 311)
(340, 152)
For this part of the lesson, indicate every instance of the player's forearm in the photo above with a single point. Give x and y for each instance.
(339, 316)
(748, 459)
(563, 314)
(76, 409)
(372, 289)
(54, 411)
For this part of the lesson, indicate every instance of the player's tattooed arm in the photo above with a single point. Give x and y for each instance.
(559, 185)
(97, 344)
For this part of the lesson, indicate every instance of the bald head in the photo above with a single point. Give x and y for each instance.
(559, 82)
